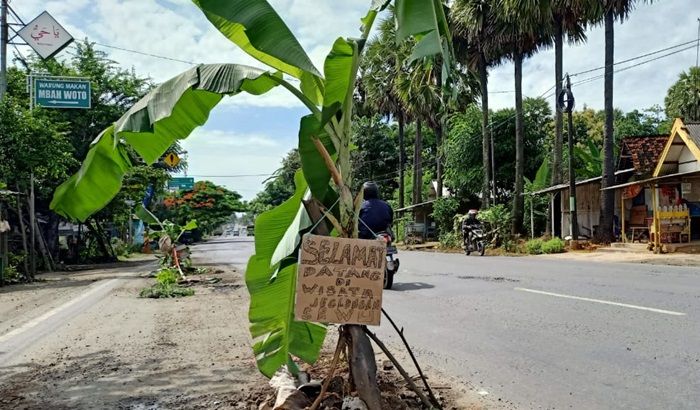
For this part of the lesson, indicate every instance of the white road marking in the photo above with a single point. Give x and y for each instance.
(34, 322)
(605, 302)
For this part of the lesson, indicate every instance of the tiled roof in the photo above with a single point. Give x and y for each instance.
(645, 151)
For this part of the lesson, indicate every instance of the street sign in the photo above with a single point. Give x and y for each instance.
(45, 35)
(61, 93)
(181, 183)
(172, 160)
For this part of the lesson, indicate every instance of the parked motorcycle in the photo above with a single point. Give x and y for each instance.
(392, 261)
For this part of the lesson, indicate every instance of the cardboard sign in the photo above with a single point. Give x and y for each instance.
(340, 280)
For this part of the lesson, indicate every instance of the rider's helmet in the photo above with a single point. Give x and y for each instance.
(370, 190)
(472, 214)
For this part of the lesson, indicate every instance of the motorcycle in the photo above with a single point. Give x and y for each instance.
(392, 261)
(474, 239)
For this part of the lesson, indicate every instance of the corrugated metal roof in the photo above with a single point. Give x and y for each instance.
(654, 179)
(694, 131)
(578, 183)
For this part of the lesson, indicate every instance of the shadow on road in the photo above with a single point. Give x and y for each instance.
(409, 286)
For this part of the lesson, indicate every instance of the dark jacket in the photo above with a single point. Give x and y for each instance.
(377, 215)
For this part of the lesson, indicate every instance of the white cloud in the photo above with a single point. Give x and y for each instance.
(222, 156)
(649, 28)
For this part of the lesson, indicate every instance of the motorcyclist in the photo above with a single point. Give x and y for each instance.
(375, 215)
(469, 223)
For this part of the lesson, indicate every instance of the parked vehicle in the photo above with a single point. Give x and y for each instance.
(392, 261)
(473, 236)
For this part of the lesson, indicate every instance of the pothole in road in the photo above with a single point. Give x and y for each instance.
(489, 278)
(226, 287)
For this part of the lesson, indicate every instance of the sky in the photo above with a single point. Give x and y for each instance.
(249, 135)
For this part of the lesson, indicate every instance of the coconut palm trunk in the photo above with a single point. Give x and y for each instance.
(485, 132)
(438, 156)
(418, 164)
(607, 200)
(402, 159)
(518, 199)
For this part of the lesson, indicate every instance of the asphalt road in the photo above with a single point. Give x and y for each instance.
(542, 333)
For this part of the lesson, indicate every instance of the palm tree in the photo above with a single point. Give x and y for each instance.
(421, 94)
(683, 98)
(522, 37)
(612, 10)
(473, 27)
(382, 64)
(570, 18)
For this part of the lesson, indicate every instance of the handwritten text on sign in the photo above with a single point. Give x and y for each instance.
(340, 280)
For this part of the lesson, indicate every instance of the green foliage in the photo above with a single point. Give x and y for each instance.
(32, 143)
(166, 286)
(209, 204)
(554, 245)
(159, 291)
(534, 246)
(444, 211)
(120, 247)
(683, 98)
(280, 187)
(498, 221)
(463, 163)
(450, 240)
(375, 157)
(167, 276)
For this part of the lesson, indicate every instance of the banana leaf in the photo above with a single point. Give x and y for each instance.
(276, 335)
(169, 112)
(255, 27)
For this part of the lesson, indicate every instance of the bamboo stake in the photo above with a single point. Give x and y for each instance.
(401, 370)
(413, 357)
(338, 348)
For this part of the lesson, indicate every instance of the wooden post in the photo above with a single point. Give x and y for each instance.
(23, 231)
(657, 234)
(32, 226)
(622, 217)
(45, 254)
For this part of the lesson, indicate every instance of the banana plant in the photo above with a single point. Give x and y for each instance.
(172, 110)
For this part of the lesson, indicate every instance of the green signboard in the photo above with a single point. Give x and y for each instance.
(61, 93)
(181, 183)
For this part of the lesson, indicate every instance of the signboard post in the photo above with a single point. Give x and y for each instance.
(61, 92)
(185, 183)
(340, 280)
(45, 35)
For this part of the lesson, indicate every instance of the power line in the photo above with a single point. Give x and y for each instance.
(637, 57)
(598, 77)
(146, 54)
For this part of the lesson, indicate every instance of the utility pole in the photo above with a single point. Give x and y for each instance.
(566, 105)
(3, 48)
